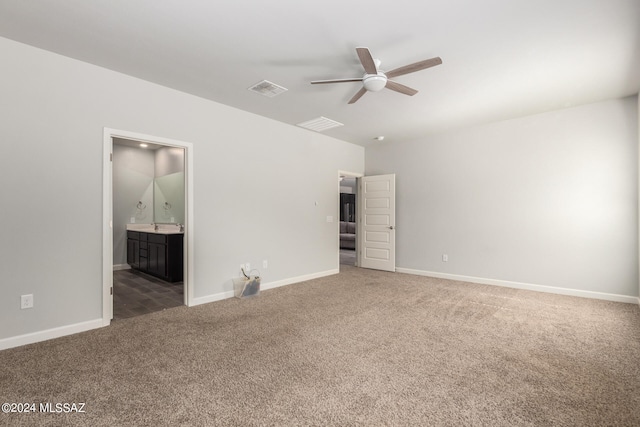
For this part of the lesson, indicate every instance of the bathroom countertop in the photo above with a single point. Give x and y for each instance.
(150, 228)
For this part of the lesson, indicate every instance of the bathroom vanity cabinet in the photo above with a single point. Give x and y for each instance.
(158, 254)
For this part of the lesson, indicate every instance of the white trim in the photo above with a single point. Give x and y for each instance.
(265, 286)
(350, 174)
(526, 286)
(212, 298)
(107, 202)
(117, 267)
(107, 228)
(285, 282)
(49, 334)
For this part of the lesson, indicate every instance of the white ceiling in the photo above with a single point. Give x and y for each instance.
(501, 58)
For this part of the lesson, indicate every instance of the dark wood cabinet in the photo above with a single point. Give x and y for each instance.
(156, 254)
(133, 249)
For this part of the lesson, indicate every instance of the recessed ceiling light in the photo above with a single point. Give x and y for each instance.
(143, 145)
(379, 138)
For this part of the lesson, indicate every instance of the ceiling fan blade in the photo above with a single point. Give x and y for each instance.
(400, 88)
(317, 82)
(358, 95)
(416, 66)
(367, 60)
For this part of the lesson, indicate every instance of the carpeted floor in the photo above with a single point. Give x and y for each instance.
(358, 348)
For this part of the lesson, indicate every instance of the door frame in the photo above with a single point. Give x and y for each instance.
(357, 176)
(107, 215)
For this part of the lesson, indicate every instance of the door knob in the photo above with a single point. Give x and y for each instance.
(391, 227)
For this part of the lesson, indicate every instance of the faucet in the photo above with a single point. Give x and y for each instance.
(155, 227)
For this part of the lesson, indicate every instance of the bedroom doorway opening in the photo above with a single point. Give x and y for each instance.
(348, 216)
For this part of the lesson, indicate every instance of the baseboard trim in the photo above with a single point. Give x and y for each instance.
(525, 286)
(264, 286)
(49, 334)
(285, 282)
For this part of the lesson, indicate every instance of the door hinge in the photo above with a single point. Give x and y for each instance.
(111, 290)
(111, 157)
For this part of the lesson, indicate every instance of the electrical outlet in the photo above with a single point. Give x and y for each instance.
(265, 264)
(247, 268)
(445, 258)
(26, 301)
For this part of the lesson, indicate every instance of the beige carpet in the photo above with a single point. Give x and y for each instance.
(359, 348)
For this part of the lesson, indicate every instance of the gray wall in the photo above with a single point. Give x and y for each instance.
(133, 174)
(348, 185)
(54, 110)
(549, 200)
(168, 160)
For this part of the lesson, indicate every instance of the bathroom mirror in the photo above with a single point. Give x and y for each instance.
(168, 198)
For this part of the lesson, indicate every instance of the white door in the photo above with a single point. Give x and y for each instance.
(378, 220)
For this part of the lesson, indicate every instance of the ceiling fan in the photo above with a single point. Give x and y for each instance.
(375, 80)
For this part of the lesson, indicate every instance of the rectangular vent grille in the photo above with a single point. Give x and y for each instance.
(267, 88)
(320, 124)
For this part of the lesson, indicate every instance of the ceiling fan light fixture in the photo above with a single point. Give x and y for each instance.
(374, 82)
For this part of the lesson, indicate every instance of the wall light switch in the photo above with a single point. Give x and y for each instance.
(26, 301)
(265, 264)
(445, 258)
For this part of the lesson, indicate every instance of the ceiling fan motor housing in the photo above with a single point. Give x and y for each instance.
(374, 82)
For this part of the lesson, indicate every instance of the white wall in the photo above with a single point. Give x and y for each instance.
(53, 112)
(168, 160)
(133, 174)
(548, 200)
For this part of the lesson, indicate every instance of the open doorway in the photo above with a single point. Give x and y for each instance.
(348, 219)
(148, 232)
(148, 227)
(374, 227)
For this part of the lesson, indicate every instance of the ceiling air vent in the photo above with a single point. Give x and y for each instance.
(320, 124)
(267, 88)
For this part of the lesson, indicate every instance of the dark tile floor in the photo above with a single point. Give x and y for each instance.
(136, 293)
